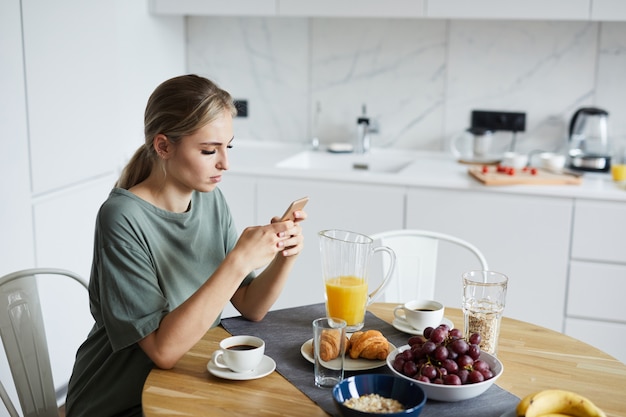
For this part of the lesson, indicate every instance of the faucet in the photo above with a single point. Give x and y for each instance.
(362, 144)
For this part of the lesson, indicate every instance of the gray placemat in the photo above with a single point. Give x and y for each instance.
(284, 332)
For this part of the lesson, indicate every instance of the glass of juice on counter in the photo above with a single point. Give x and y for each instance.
(618, 166)
(345, 265)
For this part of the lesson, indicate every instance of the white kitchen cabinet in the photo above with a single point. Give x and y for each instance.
(598, 10)
(71, 92)
(17, 242)
(214, 7)
(526, 238)
(607, 336)
(352, 8)
(360, 208)
(240, 193)
(596, 291)
(15, 217)
(595, 310)
(599, 229)
(608, 10)
(509, 9)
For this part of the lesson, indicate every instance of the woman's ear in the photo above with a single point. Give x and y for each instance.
(162, 146)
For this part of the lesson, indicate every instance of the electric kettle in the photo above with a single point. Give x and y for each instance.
(589, 148)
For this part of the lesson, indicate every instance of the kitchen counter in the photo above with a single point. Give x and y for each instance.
(428, 169)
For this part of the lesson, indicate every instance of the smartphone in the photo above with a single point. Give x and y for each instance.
(294, 206)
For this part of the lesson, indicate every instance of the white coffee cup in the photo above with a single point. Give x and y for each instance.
(239, 353)
(420, 314)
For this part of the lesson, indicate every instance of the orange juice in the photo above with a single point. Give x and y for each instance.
(619, 172)
(345, 298)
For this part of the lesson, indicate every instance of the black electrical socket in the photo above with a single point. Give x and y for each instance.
(242, 107)
(499, 120)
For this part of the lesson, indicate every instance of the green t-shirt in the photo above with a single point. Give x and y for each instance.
(146, 262)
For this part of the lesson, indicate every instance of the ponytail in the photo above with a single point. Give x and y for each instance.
(137, 169)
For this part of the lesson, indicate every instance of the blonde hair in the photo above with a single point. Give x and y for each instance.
(177, 108)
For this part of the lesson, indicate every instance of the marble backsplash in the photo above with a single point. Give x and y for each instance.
(419, 79)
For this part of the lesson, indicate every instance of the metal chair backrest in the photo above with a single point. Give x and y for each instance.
(416, 262)
(24, 339)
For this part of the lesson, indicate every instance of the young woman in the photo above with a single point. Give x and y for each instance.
(166, 257)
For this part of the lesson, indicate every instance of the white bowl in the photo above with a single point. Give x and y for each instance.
(552, 161)
(514, 160)
(451, 393)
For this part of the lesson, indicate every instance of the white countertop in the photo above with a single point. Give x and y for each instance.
(424, 169)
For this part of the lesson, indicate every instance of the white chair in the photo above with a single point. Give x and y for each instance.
(416, 262)
(24, 338)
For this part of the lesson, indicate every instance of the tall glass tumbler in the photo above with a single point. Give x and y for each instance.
(484, 295)
(329, 345)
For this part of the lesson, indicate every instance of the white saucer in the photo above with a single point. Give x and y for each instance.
(405, 327)
(265, 368)
(349, 364)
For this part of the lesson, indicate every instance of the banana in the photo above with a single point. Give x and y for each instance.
(562, 402)
(522, 406)
(555, 415)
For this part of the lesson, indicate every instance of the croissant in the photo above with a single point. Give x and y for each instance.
(330, 344)
(370, 344)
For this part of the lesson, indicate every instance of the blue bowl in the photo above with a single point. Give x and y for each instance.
(408, 393)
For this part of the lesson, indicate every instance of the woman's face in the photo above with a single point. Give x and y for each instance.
(199, 159)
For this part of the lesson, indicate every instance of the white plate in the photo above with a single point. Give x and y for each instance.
(511, 413)
(349, 364)
(265, 368)
(405, 327)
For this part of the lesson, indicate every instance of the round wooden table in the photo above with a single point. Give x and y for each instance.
(534, 358)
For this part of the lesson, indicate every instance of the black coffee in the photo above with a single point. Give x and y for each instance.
(241, 347)
(424, 309)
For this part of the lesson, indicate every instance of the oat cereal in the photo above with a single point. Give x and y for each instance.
(487, 325)
(374, 403)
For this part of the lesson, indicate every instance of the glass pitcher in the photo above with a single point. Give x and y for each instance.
(345, 264)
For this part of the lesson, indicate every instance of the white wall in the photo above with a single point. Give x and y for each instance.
(75, 77)
(419, 77)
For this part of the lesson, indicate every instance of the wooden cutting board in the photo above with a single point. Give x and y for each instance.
(542, 177)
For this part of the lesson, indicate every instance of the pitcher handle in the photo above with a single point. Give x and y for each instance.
(392, 264)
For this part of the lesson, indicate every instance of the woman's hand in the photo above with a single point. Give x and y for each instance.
(253, 301)
(295, 243)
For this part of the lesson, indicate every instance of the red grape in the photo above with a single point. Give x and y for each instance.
(463, 375)
(440, 353)
(427, 332)
(475, 376)
(456, 333)
(465, 361)
(409, 368)
(417, 340)
(452, 380)
(428, 347)
(480, 366)
(459, 346)
(474, 351)
(429, 371)
(451, 366)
